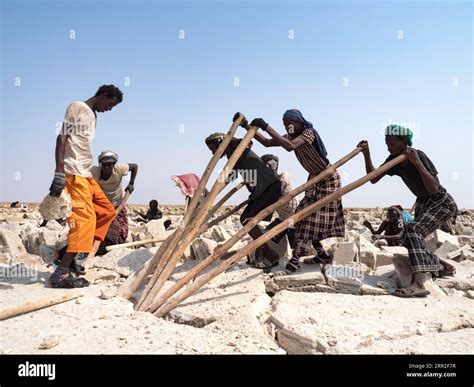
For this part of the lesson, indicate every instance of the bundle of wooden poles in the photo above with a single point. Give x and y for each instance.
(155, 298)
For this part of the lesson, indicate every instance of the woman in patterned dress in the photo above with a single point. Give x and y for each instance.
(328, 221)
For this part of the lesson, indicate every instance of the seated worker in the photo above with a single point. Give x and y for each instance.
(392, 226)
(109, 176)
(287, 210)
(153, 213)
(263, 184)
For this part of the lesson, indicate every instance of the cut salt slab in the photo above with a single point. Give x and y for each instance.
(345, 253)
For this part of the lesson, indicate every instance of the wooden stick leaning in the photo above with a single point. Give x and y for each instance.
(223, 200)
(132, 244)
(210, 167)
(193, 229)
(160, 262)
(190, 208)
(205, 278)
(225, 215)
(127, 288)
(131, 285)
(122, 203)
(251, 224)
(133, 282)
(41, 303)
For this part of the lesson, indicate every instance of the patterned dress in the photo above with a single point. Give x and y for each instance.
(328, 221)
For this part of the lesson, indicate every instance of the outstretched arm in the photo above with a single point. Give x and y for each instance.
(60, 151)
(133, 168)
(369, 167)
(59, 181)
(276, 138)
(369, 226)
(289, 145)
(266, 142)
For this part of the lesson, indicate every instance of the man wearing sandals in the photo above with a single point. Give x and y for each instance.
(434, 205)
(92, 212)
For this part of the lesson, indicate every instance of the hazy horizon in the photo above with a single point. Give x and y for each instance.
(185, 68)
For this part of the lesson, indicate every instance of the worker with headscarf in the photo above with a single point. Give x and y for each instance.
(326, 222)
(433, 206)
(109, 176)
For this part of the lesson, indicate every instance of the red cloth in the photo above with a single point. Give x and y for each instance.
(186, 183)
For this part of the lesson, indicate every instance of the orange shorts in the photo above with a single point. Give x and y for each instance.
(92, 213)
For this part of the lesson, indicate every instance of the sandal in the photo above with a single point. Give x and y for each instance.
(68, 281)
(318, 260)
(448, 270)
(292, 266)
(264, 264)
(410, 292)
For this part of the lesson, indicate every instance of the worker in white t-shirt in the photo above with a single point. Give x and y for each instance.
(92, 212)
(109, 175)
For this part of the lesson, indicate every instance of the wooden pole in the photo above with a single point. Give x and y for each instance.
(136, 243)
(223, 200)
(193, 229)
(251, 224)
(130, 286)
(205, 278)
(192, 204)
(162, 255)
(41, 303)
(161, 258)
(219, 219)
(122, 203)
(210, 167)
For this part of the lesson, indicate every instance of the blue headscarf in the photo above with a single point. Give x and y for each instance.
(295, 115)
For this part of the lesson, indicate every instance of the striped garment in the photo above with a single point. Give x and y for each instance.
(118, 230)
(328, 221)
(430, 214)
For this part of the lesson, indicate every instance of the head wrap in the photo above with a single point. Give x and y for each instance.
(400, 131)
(234, 142)
(215, 137)
(108, 157)
(295, 115)
(269, 157)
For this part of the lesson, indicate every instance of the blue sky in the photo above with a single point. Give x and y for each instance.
(350, 67)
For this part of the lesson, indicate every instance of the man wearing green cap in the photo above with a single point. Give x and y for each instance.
(433, 206)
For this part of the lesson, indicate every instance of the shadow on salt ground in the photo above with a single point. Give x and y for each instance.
(135, 260)
(243, 280)
(217, 298)
(189, 265)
